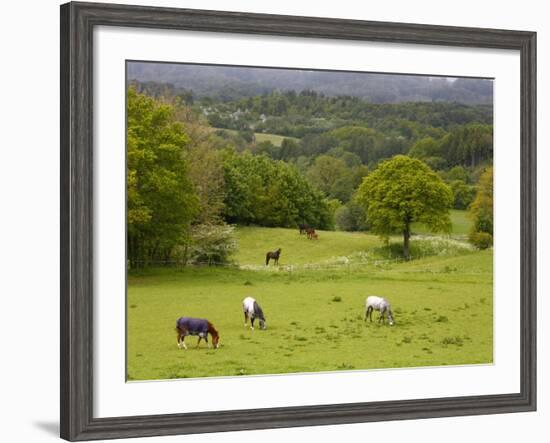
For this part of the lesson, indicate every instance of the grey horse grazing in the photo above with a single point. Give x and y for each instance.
(380, 304)
(252, 310)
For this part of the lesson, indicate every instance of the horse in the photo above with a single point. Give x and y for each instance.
(374, 303)
(252, 310)
(303, 227)
(310, 233)
(273, 255)
(196, 326)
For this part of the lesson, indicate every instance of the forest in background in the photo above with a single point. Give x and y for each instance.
(198, 164)
(226, 83)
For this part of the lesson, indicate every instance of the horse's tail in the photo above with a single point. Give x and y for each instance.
(267, 259)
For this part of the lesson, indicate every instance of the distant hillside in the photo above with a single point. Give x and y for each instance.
(230, 83)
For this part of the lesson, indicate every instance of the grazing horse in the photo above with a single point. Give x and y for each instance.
(273, 255)
(311, 233)
(380, 304)
(303, 227)
(252, 309)
(196, 326)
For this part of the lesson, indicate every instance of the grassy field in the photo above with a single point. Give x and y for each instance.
(277, 140)
(314, 305)
(461, 224)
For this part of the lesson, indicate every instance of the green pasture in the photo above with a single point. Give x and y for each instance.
(277, 140)
(254, 242)
(460, 220)
(314, 305)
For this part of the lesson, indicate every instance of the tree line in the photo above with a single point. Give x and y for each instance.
(188, 182)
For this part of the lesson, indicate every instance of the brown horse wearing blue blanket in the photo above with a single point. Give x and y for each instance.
(196, 326)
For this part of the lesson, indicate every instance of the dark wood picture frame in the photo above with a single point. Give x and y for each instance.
(77, 23)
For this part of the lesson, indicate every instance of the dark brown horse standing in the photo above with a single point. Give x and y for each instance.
(303, 227)
(273, 255)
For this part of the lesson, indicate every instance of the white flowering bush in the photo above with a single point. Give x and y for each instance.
(212, 244)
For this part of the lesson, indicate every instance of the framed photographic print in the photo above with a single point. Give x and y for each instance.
(272, 221)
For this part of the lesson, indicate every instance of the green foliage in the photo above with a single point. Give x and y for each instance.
(335, 177)
(267, 148)
(481, 211)
(425, 148)
(327, 173)
(481, 240)
(307, 112)
(161, 199)
(205, 166)
(468, 145)
(457, 173)
(402, 191)
(289, 149)
(266, 192)
(351, 217)
(463, 194)
(363, 142)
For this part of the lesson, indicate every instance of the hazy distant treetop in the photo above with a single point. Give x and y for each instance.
(230, 83)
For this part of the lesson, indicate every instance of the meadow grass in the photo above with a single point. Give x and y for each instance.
(460, 220)
(277, 140)
(254, 242)
(443, 308)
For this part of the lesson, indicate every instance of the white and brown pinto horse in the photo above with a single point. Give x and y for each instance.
(196, 326)
(252, 310)
(380, 304)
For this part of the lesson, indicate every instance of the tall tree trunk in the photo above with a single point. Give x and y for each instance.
(406, 237)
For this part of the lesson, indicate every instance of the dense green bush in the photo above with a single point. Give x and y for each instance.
(463, 194)
(481, 211)
(481, 240)
(268, 192)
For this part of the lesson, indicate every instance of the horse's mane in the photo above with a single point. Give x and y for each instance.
(258, 311)
(211, 328)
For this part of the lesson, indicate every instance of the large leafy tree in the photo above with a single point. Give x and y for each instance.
(327, 174)
(161, 200)
(401, 191)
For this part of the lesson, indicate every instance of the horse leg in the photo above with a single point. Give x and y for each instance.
(252, 318)
(199, 341)
(183, 345)
(245, 318)
(267, 260)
